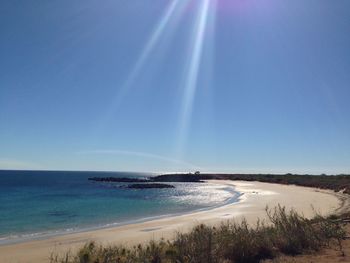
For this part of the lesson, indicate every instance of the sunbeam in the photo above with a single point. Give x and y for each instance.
(172, 13)
(191, 79)
(149, 47)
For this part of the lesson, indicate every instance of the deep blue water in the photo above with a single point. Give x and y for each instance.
(34, 203)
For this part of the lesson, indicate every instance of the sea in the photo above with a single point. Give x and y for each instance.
(38, 204)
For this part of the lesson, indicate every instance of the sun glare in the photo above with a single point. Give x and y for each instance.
(171, 15)
(193, 71)
(203, 22)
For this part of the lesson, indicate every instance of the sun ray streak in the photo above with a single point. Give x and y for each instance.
(191, 81)
(172, 11)
(156, 35)
(166, 24)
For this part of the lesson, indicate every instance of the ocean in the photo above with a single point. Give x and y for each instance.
(36, 204)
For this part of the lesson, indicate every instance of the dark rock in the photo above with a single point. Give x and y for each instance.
(150, 186)
(118, 179)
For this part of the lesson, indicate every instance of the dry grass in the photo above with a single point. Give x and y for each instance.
(287, 233)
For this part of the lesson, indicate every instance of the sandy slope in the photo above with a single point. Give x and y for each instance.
(252, 205)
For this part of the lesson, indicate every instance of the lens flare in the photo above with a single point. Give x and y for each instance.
(191, 79)
(168, 20)
(155, 37)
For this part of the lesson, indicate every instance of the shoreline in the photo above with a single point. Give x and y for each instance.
(251, 205)
(18, 239)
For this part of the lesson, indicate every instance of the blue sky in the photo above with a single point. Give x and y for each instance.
(215, 85)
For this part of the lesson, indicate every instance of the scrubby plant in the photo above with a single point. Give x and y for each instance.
(287, 232)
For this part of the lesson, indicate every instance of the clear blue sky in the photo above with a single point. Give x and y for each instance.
(175, 85)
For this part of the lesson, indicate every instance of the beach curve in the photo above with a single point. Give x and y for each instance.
(251, 205)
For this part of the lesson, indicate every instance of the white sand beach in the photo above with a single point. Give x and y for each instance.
(256, 196)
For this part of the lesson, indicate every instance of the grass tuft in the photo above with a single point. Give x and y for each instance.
(287, 233)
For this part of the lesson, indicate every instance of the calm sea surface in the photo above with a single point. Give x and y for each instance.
(35, 204)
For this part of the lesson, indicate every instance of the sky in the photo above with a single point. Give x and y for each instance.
(175, 85)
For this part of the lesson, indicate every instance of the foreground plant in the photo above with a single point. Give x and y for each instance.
(287, 233)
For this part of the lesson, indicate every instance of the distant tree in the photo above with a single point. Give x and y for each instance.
(197, 173)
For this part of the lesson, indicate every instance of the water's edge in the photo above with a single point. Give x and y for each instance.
(15, 239)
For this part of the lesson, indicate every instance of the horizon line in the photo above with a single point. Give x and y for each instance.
(173, 172)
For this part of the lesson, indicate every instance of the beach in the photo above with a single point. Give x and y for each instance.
(253, 201)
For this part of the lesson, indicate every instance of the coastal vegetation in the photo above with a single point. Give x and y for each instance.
(331, 182)
(286, 233)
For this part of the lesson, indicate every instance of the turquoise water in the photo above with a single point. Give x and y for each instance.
(35, 204)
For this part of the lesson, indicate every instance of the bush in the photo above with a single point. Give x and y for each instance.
(288, 233)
